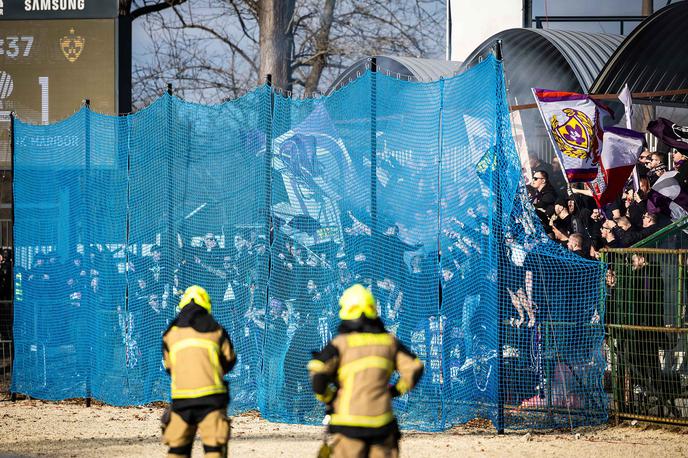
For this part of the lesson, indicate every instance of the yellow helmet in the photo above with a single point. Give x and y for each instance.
(198, 295)
(356, 301)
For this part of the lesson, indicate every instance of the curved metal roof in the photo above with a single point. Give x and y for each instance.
(550, 59)
(553, 59)
(411, 68)
(652, 58)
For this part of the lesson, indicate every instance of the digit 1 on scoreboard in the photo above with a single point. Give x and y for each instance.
(45, 109)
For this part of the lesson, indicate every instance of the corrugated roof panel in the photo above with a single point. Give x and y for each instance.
(413, 68)
(652, 58)
(585, 53)
(550, 59)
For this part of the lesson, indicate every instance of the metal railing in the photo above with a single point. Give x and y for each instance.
(6, 350)
(647, 333)
(622, 20)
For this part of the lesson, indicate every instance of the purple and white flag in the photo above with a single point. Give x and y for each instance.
(573, 124)
(620, 151)
(666, 196)
(670, 133)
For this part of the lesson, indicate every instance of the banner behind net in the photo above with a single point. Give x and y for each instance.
(270, 204)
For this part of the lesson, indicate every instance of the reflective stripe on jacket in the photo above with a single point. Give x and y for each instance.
(361, 364)
(197, 356)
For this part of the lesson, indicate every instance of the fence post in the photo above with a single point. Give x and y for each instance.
(89, 219)
(268, 158)
(440, 147)
(260, 389)
(169, 246)
(13, 396)
(373, 153)
(679, 302)
(499, 240)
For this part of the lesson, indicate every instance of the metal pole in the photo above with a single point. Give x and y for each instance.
(170, 245)
(268, 214)
(527, 13)
(679, 312)
(373, 150)
(499, 241)
(268, 157)
(440, 149)
(268, 176)
(13, 395)
(89, 220)
(448, 32)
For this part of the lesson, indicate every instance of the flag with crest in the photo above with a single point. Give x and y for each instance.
(573, 123)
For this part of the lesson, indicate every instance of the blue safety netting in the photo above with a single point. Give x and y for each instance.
(276, 205)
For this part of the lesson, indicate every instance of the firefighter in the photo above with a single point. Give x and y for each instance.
(197, 354)
(351, 375)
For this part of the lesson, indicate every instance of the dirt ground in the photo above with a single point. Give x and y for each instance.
(32, 428)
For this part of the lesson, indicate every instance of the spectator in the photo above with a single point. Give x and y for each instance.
(543, 196)
(651, 225)
(635, 207)
(657, 167)
(645, 309)
(593, 226)
(643, 165)
(623, 231)
(609, 238)
(209, 263)
(537, 164)
(680, 159)
(561, 221)
(576, 245)
(627, 236)
(5, 278)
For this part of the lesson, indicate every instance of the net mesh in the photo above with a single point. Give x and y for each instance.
(275, 205)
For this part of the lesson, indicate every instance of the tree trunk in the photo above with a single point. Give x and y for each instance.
(322, 48)
(276, 41)
(124, 7)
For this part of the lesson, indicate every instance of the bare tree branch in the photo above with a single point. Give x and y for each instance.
(220, 48)
(154, 8)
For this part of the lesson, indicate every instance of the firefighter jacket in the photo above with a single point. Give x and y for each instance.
(360, 362)
(197, 354)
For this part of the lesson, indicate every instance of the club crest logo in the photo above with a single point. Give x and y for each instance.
(72, 46)
(575, 137)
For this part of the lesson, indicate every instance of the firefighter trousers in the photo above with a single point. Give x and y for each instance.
(348, 447)
(214, 429)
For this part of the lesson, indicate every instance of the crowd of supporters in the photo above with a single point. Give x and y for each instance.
(641, 287)
(306, 280)
(571, 216)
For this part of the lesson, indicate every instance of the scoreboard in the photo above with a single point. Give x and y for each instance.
(48, 67)
(54, 54)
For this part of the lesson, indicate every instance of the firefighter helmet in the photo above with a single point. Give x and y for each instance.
(196, 294)
(357, 300)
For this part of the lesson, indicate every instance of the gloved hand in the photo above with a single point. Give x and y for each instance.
(393, 391)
